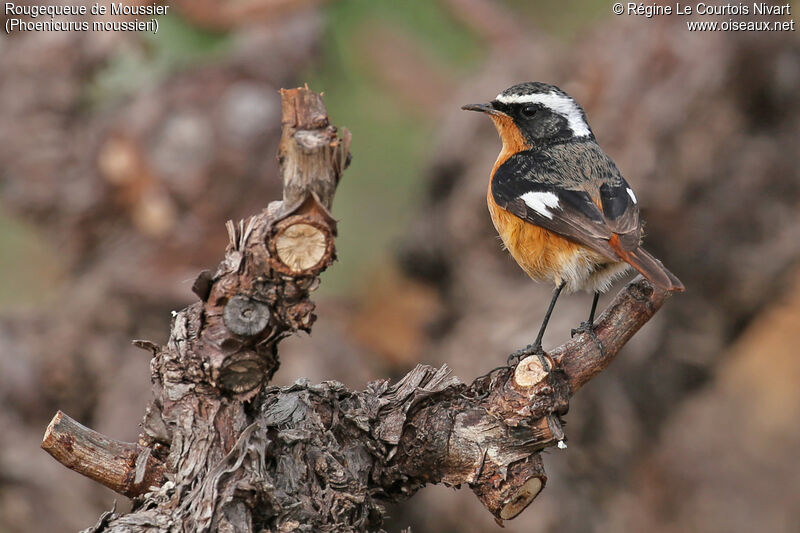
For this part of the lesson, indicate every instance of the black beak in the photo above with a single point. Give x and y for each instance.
(483, 108)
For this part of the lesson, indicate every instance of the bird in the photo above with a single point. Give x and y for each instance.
(559, 202)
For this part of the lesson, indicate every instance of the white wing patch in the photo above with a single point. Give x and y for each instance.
(541, 202)
(558, 103)
(630, 193)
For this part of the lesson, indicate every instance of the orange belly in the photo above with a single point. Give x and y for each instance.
(543, 254)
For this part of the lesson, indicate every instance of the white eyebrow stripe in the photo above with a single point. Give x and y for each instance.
(540, 202)
(630, 193)
(563, 105)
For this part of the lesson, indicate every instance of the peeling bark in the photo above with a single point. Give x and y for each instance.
(226, 452)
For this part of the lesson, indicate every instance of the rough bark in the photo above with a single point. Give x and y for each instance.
(235, 454)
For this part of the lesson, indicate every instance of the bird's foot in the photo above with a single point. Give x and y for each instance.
(531, 349)
(588, 328)
(585, 327)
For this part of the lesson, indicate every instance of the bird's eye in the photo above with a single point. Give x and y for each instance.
(529, 111)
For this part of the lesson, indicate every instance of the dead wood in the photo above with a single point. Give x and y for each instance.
(224, 451)
(126, 468)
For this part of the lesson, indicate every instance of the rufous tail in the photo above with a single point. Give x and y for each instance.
(648, 266)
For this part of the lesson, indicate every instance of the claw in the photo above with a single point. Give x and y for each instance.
(585, 327)
(531, 349)
(588, 328)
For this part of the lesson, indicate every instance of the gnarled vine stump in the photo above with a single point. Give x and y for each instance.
(221, 450)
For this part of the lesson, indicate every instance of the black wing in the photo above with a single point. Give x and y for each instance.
(534, 192)
(621, 212)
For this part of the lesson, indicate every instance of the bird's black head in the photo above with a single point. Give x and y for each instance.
(541, 113)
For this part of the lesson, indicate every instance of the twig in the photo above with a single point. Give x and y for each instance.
(583, 358)
(123, 467)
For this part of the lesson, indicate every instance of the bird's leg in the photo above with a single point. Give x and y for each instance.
(588, 326)
(594, 308)
(536, 347)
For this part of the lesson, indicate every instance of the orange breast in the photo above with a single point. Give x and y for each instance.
(541, 253)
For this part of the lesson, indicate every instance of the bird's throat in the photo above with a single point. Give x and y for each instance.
(511, 136)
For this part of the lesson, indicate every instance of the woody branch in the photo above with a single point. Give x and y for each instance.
(220, 449)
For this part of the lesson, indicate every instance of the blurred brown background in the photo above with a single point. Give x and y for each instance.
(122, 155)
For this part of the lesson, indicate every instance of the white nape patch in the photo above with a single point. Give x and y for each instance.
(630, 193)
(540, 202)
(563, 105)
